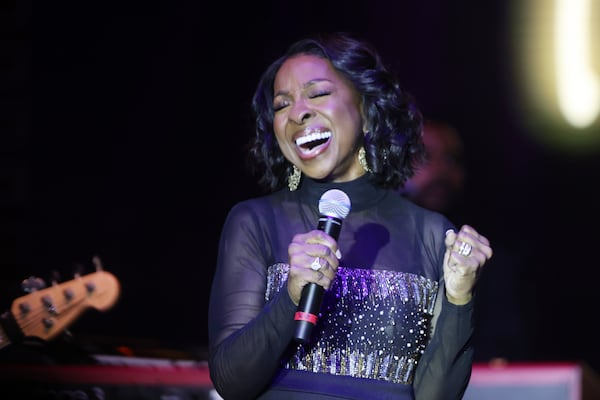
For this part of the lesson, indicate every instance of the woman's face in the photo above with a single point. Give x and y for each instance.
(317, 120)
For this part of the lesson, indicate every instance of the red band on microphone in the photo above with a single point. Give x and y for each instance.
(304, 316)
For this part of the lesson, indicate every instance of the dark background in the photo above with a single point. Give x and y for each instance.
(125, 130)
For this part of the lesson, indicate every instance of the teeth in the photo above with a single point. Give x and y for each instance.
(312, 137)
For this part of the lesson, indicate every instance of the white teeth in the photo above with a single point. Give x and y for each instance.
(312, 137)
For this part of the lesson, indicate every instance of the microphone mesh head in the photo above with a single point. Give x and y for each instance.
(334, 203)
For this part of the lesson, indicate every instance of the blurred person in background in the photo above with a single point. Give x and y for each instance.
(439, 180)
(439, 184)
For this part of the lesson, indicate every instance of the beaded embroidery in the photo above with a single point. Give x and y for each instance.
(373, 324)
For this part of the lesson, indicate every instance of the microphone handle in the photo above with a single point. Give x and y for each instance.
(330, 225)
(308, 308)
(306, 316)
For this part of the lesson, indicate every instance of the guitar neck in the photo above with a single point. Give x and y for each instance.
(5, 339)
(46, 313)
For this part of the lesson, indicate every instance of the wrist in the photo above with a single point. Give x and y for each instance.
(459, 300)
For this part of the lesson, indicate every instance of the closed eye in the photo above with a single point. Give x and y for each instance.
(319, 94)
(280, 105)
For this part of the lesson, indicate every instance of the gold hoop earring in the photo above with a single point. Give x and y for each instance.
(294, 178)
(362, 159)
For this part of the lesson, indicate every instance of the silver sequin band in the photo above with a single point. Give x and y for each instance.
(374, 324)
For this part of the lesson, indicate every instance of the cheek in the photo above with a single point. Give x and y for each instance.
(284, 144)
(279, 127)
(351, 118)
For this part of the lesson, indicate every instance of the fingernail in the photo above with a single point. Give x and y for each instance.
(338, 254)
(448, 231)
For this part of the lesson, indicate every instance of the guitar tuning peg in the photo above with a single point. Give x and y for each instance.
(79, 269)
(32, 284)
(55, 277)
(97, 263)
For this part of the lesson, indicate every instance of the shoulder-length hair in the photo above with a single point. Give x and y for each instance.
(393, 141)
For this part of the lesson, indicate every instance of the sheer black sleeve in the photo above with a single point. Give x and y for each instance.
(445, 368)
(246, 336)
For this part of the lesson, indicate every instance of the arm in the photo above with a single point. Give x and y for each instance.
(444, 369)
(246, 335)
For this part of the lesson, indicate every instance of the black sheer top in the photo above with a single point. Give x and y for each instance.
(385, 330)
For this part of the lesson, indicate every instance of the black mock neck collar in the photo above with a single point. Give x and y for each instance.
(363, 193)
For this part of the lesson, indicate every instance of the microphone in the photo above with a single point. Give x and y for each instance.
(334, 206)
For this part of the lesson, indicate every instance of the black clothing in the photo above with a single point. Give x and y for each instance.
(374, 334)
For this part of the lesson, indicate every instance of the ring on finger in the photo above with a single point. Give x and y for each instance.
(316, 264)
(465, 249)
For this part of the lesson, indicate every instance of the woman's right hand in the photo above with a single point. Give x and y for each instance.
(306, 253)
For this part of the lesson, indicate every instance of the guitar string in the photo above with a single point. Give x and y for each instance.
(26, 321)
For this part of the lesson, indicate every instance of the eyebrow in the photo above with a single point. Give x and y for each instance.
(304, 86)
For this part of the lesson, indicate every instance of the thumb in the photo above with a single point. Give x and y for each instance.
(450, 238)
(449, 242)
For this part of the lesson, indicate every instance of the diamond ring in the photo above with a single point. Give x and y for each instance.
(316, 264)
(465, 249)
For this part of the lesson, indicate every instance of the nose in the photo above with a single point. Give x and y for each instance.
(300, 113)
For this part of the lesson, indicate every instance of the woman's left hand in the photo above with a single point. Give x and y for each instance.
(466, 252)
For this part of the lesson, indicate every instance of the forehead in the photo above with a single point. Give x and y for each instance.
(302, 69)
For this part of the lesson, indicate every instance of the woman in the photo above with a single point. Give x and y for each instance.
(395, 319)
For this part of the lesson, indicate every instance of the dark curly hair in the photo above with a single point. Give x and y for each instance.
(393, 142)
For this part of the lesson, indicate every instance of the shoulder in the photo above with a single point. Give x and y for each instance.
(412, 210)
(431, 224)
(248, 207)
(255, 208)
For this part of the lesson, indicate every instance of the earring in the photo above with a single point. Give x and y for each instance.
(362, 159)
(294, 178)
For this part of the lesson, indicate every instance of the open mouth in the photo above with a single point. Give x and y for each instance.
(308, 143)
